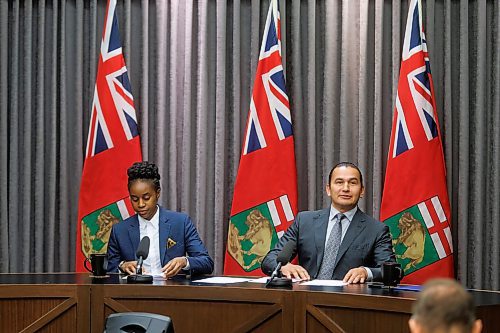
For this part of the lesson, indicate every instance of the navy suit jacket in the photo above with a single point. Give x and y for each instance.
(125, 238)
(367, 243)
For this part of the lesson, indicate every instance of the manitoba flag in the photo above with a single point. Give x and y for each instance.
(265, 191)
(415, 201)
(113, 144)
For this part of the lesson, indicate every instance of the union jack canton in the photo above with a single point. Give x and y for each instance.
(417, 91)
(270, 118)
(113, 116)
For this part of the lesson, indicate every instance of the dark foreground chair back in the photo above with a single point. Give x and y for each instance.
(138, 322)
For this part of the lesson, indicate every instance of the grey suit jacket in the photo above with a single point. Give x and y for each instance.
(367, 243)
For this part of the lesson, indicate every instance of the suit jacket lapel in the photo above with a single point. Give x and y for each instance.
(355, 228)
(134, 233)
(163, 234)
(320, 225)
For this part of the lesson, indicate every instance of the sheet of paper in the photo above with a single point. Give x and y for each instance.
(259, 280)
(327, 283)
(265, 278)
(155, 277)
(222, 279)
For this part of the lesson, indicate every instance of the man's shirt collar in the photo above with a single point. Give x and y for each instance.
(349, 214)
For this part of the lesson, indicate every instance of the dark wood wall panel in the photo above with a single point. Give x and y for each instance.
(39, 308)
(17, 314)
(205, 309)
(64, 323)
(333, 319)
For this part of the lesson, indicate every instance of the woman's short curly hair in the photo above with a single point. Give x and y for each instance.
(144, 171)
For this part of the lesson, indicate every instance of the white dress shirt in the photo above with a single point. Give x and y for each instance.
(151, 228)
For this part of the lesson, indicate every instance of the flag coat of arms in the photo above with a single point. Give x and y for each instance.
(113, 144)
(415, 202)
(265, 192)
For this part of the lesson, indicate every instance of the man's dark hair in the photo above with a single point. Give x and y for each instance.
(345, 164)
(444, 304)
(144, 171)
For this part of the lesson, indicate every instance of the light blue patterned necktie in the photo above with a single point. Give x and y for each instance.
(331, 250)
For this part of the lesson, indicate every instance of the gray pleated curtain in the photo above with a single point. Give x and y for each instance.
(192, 65)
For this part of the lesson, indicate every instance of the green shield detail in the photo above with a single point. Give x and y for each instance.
(411, 260)
(252, 243)
(96, 228)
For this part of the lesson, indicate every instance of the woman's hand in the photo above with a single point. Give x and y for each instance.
(174, 266)
(129, 267)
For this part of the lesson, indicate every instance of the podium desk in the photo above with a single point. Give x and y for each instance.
(74, 302)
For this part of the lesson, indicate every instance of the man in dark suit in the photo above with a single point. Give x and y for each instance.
(175, 243)
(339, 242)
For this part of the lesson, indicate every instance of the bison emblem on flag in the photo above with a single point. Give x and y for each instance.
(421, 235)
(253, 232)
(96, 226)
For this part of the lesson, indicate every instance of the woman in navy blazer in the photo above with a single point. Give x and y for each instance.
(179, 245)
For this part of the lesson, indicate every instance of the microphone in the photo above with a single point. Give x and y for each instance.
(142, 254)
(283, 258)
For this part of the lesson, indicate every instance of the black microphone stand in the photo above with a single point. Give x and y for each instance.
(141, 253)
(277, 281)
(138, 277)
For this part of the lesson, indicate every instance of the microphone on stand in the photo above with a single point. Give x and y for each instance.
(142, 254)
(283, 258)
